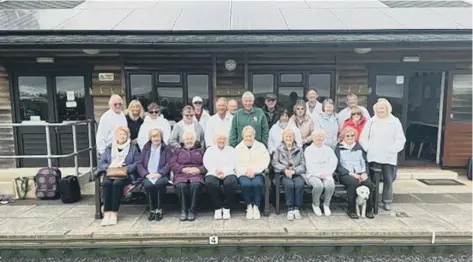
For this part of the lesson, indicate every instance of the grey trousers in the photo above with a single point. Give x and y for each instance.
(318, 186)
(388, 178)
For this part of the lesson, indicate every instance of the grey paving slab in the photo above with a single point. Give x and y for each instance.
(22, 226)
(409, 208)
(464, 197)
(436, 209)
(65, 224)
(382, 223)
(335, 223)
(427, 222)
(436, 198)
(14, 211)
(461, 222)
(80, 211)
(243, 225)
(405, 198)
(46, 211)
(280, 223)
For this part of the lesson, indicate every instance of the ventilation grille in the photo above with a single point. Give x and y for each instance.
(425, 4)
(39, 4)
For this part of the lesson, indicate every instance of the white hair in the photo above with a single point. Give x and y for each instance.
(248, 94)
(114, 98)
(190, 133)
(248, 129)
(317, 132)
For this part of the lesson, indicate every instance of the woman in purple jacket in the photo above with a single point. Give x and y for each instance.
(189, 171)
(154, 168)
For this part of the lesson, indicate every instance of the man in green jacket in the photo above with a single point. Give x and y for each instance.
(252, 116)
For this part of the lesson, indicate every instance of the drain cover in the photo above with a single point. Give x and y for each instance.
(441, 182)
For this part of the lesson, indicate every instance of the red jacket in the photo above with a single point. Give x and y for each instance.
(358, 127)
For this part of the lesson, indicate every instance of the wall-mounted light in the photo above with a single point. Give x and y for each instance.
(362, 50)
(230, 65)
(44, 60)
(91, 51)
(410, 59)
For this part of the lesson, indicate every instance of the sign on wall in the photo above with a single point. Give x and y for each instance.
(106, 77)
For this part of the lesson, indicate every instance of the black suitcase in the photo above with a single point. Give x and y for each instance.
(47, 183)
(69, 189)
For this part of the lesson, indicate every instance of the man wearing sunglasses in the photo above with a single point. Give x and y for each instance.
(271, 109)
(109, 121)
(352, 102)
(201, 115)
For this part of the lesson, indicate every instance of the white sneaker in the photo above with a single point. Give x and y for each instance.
(316, 210)
(218, 214)
(327, 211)
(105, 220)
(113, 220)
(256, 213)
(290, 215)
(297, 214)
(249, 212)
(226, 213)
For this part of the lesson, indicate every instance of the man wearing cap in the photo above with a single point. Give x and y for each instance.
(271, 109)
(201, 115)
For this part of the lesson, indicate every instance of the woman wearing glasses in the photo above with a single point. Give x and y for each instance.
(357, 121)
(154, 120)
(108, 122)
(303, 122)
(187, 124)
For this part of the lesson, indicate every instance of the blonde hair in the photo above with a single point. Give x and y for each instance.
(154, 132)
(383, 102)
(317, 132)
(221, 134)
(222, 99)
(248, 129)
(347, 130)
(356, 109)
(114, 98)
(132, 103)
(288, 131)
(116, 131)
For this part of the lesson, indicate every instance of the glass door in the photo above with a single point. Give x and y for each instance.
(393, 87)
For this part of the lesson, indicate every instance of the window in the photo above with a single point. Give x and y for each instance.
(198, 85)
(262, 85)
(322, 83)
(291, 78)
(33, 96)
(141, 88)
(461, 98)
(171, 102)
(169, 78)
(70, 96)
(288, 96)
(390, 86)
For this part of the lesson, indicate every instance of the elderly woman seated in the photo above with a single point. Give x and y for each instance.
(288, 159)
(189, 171)
(352, 169)
(219, 160)
(154, 166)
(252, 159)
(119, 162)
(321, 163)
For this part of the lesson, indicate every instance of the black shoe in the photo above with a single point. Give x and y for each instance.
(370, 215)
(191, 216)
(152, 216)
(353, 215)
(183, 216)
(159, 215)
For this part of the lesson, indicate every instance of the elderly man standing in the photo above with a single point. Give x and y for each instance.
(314, 107)
(111, 119)
(220, 122)
(252, 116)
(352, 102)
(271, 109)
(232, 106)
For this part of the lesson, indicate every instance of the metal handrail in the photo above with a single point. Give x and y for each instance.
(49, 157)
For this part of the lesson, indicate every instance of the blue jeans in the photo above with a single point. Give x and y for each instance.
(252, 189)
(293, 190)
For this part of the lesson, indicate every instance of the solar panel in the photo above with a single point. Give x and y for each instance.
(461, 16)
(360, 19)
(311, 19)
(420, 18)
(35, 20)
(154, 19)
(257, 19)
(95, 20)
(204, 19)
(39, 4)
(425, 4)
(345, 4)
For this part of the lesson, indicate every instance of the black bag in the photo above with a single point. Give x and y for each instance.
(469, 171)
(47, 183)
(69, 189)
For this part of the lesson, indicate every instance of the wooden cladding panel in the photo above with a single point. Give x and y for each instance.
(352, 79)
(458, 145)
(102, 90)
(7, 142)
(230, 84)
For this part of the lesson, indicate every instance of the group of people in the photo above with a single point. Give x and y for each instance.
(232, 149)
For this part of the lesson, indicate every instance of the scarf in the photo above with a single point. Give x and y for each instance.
(119, 152)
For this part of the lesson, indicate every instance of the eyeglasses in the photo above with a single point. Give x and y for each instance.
(271, 100)
(153, 112)
(356, 113)
(189, 115)
(197, 103)
(117, 104)
(350, 135)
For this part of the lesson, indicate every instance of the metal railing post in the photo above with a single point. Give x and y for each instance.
(91, 151)
(48, 145)
(76, 157)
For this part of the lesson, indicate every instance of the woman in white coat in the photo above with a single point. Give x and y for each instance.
(153, 120)
(383, 138)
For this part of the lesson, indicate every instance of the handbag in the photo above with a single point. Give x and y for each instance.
(117, 172)
(24, 188)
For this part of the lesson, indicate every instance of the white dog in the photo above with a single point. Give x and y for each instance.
(363, 193)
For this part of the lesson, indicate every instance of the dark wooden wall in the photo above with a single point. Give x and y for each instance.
(7, 143)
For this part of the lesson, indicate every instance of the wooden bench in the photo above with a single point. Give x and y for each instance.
(139, 188)
(339, 188)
